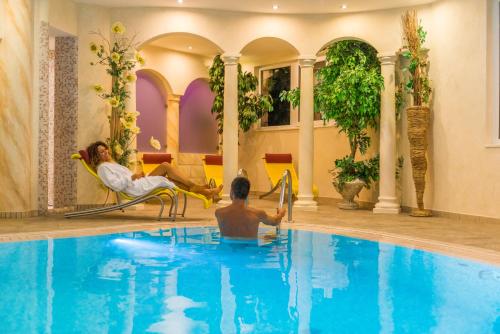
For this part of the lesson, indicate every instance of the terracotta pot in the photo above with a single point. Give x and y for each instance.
(348, 192)
(418, 124)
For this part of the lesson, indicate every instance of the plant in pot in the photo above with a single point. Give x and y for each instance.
(251, 106)
(418, 113)
(348, 92)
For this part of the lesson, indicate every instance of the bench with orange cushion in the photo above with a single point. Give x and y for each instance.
(275, 165)
(152, 160)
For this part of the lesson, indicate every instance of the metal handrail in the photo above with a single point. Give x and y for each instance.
(242, 172)
(286, 183)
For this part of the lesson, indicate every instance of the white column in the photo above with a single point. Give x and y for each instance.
(172, 127)
(306, 135)
(387, 200)
(230, 134)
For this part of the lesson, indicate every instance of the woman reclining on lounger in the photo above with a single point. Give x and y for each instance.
(120, 178)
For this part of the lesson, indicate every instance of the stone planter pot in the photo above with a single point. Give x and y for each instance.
(349, 191)
(418, 124)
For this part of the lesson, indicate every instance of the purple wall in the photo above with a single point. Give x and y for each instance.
(197, 125)
(151, 103)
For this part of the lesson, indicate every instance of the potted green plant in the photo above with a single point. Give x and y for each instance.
(251, 106)
(418, 113)
(348, 92)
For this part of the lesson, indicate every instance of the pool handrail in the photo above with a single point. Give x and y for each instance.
(286, 183)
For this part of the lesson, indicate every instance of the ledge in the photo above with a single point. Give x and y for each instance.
(296, 126)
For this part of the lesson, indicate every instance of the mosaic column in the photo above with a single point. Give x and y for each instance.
(306, 136)
(387, 200)
(43, 115)
(65, 120)
(173, 124)
(230, 134)
(16, 110)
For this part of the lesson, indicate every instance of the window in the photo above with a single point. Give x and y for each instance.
(273, 81)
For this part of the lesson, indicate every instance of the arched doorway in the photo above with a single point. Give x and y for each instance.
(151, 102)
(197, 125)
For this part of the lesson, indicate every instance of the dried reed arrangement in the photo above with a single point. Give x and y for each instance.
(414, 37)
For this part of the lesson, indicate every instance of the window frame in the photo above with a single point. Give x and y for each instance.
(293, 83)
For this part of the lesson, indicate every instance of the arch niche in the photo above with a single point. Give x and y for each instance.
(152, 91)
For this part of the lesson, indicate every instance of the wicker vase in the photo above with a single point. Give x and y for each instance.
(418, 123)
(349, 191)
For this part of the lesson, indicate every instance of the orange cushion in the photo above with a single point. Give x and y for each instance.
(278, 158)
(213, 160)
(156, 158)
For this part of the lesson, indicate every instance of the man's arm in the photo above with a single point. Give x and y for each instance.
(271, 220)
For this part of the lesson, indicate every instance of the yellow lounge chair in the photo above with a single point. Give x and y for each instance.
(275, 165)
(120, 196)
(212, 165)
(152, 160)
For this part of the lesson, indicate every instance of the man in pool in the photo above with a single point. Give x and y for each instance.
(239, 221)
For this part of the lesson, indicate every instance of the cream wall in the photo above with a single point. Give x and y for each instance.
(17, 111)
(329, 145)
(463, 174)
(63, 15)
(179, 69)
(92, 110)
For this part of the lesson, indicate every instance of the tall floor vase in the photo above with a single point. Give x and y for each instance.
(418, 124)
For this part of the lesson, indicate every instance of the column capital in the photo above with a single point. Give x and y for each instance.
(307, 60)
(387, 58)
(230, 58)
(173, 98)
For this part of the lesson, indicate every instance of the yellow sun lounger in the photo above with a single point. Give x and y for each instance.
(275, 165)
(152, 160)
(212, 165)
(120, 196)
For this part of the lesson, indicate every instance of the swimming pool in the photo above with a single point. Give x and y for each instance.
(186, 280)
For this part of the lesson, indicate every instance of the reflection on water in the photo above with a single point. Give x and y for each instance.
(187, 281)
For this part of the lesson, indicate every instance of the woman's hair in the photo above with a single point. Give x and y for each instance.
(93, 152)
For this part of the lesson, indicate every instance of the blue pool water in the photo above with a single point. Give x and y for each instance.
(188, 281)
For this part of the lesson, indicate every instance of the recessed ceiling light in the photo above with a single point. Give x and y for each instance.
(180, 1)
(344, 6)
(275, 7)
(190, 47)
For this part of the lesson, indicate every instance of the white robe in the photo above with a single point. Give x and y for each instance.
(119, 178)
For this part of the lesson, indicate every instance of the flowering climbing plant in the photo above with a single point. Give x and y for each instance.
(120, 57)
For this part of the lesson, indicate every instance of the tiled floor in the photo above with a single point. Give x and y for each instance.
(478, 240)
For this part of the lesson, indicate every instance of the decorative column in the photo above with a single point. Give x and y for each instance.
(387, 200)
(173, 124)
(306, 136)
(230, 134)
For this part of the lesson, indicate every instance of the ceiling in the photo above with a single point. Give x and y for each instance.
(261, 51)
(266, 6)
(187, 43)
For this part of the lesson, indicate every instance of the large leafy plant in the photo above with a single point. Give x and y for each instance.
(251, 106)
(348, 92)
(119, 57)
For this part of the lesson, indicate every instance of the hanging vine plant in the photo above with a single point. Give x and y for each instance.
(251, 106)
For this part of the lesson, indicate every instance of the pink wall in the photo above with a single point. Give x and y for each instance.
(151, 103)
(197, 125)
